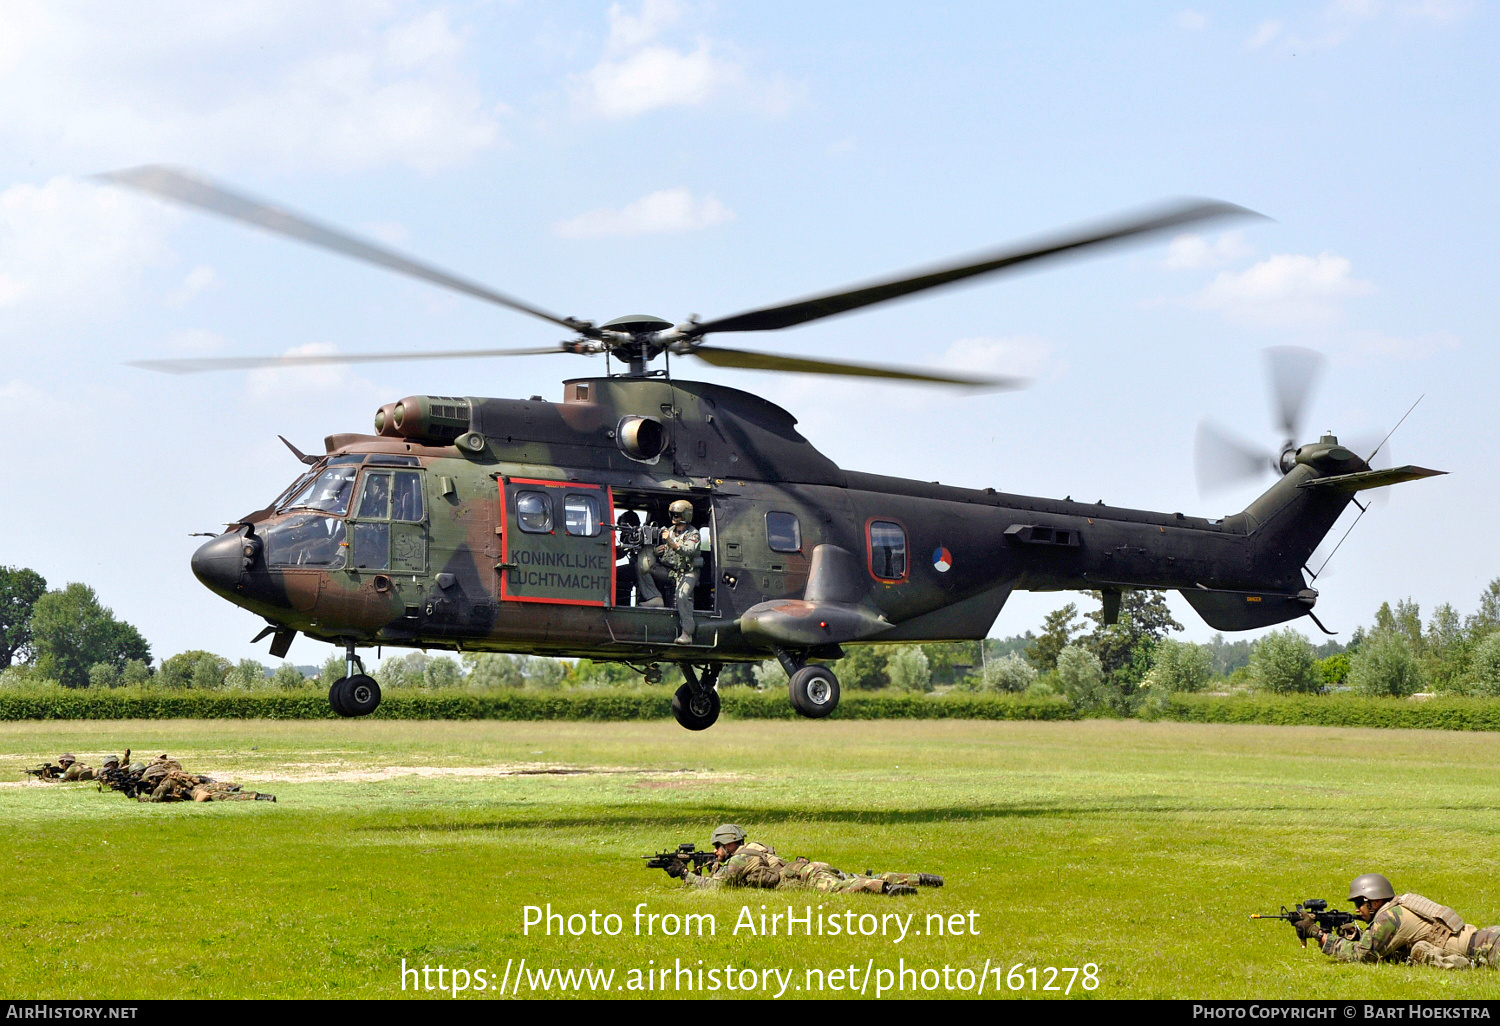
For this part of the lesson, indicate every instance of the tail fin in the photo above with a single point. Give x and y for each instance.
(1284, 526)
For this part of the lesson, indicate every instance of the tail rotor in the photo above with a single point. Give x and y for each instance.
(1223, 460)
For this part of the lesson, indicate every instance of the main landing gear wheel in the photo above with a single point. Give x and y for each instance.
(814, 691)
(695, 709)
(358, 695)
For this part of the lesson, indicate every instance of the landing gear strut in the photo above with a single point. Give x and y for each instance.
(354, 694)
(813, 689)
(696, 703)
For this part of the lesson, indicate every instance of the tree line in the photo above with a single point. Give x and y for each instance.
(67, 636)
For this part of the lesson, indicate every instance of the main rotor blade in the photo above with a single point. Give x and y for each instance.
(182, 187)
(745, 360)
(1293, 371)
(815, 307)
(1221, 460)
(198, 366)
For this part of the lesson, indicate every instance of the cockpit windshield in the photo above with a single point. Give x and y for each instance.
(327, 492)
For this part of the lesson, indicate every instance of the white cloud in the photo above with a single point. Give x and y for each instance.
(296, 384)
(1193, 21)
(640, 74)
(268, 81)
(73, 247)
(1339, 20)
(199, 278)
(1193, 251)
(1020, 356)
(1285, 290)
(628, 30)
(666, 210)
(655, 76)
(1268, 31)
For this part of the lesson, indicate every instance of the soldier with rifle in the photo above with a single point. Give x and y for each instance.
(67, 768)
(742, 863)
(1402, 928)
(678, 552)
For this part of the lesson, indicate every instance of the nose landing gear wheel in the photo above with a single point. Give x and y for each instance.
(695, 709)
(358, 695)
(814, 691)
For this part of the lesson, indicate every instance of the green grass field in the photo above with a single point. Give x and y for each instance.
(1137, 848)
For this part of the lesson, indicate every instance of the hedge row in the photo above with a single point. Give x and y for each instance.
(122, 704)
(1337, 711)
(738, 703)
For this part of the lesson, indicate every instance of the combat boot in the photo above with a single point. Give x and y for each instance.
(899, 890)
(265, 797)
(1425, 953)
(929, 880)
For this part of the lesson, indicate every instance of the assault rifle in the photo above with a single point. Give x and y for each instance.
(684, 853)
(1329, 920)
(122, 780)
(46, 771)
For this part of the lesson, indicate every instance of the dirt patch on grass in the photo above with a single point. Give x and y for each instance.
(309, 772)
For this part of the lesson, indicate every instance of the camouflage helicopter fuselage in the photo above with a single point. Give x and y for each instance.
(414, 536)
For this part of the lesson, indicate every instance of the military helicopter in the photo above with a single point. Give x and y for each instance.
(522, 525)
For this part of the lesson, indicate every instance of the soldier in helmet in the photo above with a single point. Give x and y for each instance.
(745, 863)
(678, 552)
(73, 769)
(1404, 928)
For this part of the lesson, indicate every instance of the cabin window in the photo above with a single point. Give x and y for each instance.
(783, 533)
(581, 515)
(534, 512)
(887, 550)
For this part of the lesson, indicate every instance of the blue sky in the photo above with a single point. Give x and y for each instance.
(675, 158)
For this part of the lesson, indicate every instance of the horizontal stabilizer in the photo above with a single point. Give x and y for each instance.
(1247, 610)
(1358, 482)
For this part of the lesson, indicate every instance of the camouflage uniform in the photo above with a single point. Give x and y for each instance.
(757, 865)
(173, 786)
(177, 786)
(78, 771)
(678, 552)
(1412, 928)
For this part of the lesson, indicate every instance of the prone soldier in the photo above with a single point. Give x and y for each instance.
(75, 770)
(177, 786)
(1403, 928)
(744, 863)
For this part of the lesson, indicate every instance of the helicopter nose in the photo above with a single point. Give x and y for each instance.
(218, 563)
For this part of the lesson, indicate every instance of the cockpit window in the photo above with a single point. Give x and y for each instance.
(390, 495)
(294, 489)
(406, 498)
(329, 493)
(305, 541)
(375, 497)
